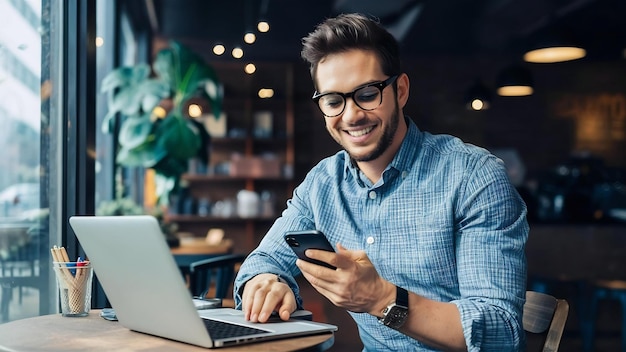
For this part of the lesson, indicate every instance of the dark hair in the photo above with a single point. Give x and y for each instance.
(351, 31)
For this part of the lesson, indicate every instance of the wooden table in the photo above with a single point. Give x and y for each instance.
(200, 246)
(191, 251)
(93, 333)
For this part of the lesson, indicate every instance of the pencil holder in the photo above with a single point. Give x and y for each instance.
(74, 281)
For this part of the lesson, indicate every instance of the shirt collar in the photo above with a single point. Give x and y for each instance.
(409, 149)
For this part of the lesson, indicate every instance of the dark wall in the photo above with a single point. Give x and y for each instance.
(577, 106)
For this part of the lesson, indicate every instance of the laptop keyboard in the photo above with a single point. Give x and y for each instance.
(220, 329)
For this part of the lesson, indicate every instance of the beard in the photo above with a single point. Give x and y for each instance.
(385, 141)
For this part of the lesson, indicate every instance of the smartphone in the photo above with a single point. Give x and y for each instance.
(300, 241)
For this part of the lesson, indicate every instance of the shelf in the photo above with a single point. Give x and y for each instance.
(219, 141)
(215, 219)
(240, 152)
(228, 178)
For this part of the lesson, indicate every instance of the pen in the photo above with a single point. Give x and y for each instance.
(72, 267)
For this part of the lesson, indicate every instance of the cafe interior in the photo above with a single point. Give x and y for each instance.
(89, 131)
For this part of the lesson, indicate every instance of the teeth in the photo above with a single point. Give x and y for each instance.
(360, 132)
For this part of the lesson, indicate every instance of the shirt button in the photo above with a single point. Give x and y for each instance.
(372, 194)
(405, 174)
(370, 240)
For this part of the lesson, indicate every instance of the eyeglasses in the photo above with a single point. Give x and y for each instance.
(367, 97)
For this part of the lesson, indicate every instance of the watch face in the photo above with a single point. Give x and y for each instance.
(395, 316)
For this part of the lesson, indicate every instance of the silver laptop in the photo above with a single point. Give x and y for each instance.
(147, 290)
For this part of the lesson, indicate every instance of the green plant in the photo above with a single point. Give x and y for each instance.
(164, 143)
(118, 207)
(121, 206)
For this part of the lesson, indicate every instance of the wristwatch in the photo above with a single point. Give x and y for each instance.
(396, 313)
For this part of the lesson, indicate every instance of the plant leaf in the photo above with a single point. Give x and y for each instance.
(131, 92)
(146, 155)
(171, 167)
(178, 136)
(125, 76)
(135, 131)
(188, 74)
(205, 141)
(164, 186)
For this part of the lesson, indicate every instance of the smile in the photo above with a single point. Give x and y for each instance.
(360, 133)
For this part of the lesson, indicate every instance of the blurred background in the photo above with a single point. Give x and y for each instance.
(95, 121)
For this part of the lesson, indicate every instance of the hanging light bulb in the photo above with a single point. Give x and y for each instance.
(194, 110)
(219, 49)
(250, 68)
(266, 93)
(237, 52)
(263, 26)
(249, 38)
(478, 96)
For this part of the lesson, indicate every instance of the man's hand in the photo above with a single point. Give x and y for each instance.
(263, 295)
(355, 285)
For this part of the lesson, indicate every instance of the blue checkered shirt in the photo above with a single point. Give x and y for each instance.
(443, 222)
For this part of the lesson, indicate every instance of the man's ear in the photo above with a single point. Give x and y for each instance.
(403, 86)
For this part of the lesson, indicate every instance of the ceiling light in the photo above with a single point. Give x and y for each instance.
(552, 45)
(515, 81)
(478, 96)
(263, 26)
(237, 53)
(249, 38)
(266, 93)
(554, 54)
(219, 49)
(250, 68)
(159, 112)
(194, 110)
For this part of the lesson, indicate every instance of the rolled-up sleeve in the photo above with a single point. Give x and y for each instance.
(491, 262)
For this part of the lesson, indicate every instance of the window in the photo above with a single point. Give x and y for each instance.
(25, 93)
(48, 139)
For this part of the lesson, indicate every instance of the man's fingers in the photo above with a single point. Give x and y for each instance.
(277, 300)
(265, 294)
(254, 293)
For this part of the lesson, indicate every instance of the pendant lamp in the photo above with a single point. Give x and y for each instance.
(553, 54)
(553, 44)
(478, 96)
(514, 81)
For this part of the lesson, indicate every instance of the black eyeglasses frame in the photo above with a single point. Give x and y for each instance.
(380, 85)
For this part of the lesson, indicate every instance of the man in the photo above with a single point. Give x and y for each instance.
(429, 232)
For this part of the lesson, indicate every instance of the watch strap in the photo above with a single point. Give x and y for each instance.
(402, 297)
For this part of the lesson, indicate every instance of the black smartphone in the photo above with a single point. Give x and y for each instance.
(300, 241)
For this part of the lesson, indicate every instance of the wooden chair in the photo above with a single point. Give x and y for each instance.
(21, 265)
(214, 276)
(545, 315)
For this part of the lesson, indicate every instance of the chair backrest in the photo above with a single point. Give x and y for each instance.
(217, 272)
(546, 315)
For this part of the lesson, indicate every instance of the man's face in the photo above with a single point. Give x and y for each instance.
(365, 135)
